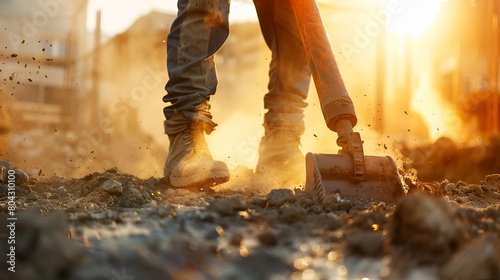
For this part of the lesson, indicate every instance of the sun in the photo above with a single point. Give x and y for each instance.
(412, 17)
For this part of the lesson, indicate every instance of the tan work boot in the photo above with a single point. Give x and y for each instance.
(189, 163)
(279, 153)
(280, 160)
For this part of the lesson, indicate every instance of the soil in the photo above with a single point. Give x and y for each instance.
(113, 225)
(445, 159)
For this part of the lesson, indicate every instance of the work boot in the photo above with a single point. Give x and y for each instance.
(279, 153)
(189, 163)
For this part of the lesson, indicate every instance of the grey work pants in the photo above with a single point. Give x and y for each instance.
(200, 29)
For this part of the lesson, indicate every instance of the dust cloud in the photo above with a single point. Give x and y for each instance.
(114, 117)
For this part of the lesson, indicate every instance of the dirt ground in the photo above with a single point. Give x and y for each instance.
(445, 159)
(112, 225)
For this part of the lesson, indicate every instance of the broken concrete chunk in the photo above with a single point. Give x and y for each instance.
(113, 187)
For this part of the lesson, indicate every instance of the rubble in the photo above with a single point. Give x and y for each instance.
(478, 260)
(3, 174)
(446, 160)
(276, 198)
(21, 178)
(227, 206)
(6, 164)
(267, 238)
(131, 198)
(113, 187)
(440, 230)
(426, 228)
(43, 250)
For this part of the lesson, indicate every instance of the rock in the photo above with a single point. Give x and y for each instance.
(54, 195)
(151, 203)
(292, 214)
(21, 191)
(263, 264)
(207, 216)
(32, 197)
(493, 212)
(62, 192)
(276, 198)
(92, 206)
(3, 190)
(108, 176)
(146, 195)
(113, 187)
(57, 177)
(227, 206)
(493, 180)
(236, 238)
(366, 243)
(113, 170)
(426, 228)
(42, 241)
(21, 178)
(6, 164)
(267, 238)
(131, 197)
(479, 260)
(257, 201)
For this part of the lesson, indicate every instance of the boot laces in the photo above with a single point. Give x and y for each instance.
(194, 141)
(187, 137)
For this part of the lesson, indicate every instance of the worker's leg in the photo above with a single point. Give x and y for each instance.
(200, 29)
(289, 74)
(289, 79)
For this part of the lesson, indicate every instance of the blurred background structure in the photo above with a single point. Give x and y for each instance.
(42, 61)
(82, 100)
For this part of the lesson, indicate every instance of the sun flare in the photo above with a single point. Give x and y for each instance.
(409, 17)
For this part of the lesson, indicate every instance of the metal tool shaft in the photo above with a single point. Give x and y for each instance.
(336, 103)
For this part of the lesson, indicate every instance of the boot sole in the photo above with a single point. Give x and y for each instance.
(201, 181)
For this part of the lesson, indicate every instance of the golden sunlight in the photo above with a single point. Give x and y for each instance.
(440, 118)
(408, 17)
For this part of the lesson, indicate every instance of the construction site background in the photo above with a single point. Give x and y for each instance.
(81, 102)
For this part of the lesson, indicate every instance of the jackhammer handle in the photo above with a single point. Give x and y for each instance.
(336, 104)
